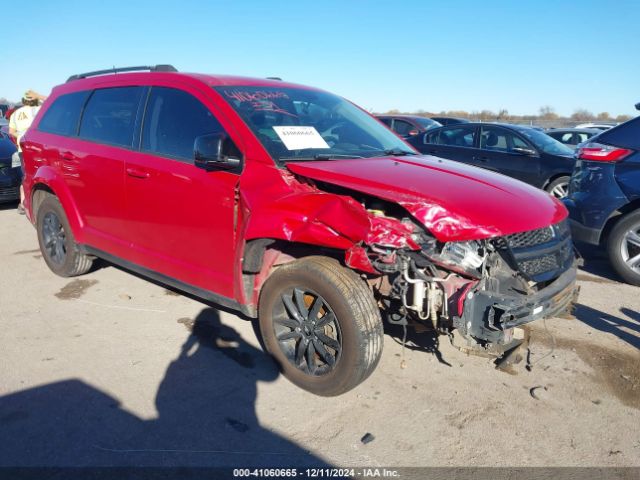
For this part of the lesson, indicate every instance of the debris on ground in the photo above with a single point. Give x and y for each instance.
(367, 438)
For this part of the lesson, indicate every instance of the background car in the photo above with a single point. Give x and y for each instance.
(408, 126)
(597, 126)
(517, 151)
(571, 137)
(604, 197)
(10, 177)
(3, 110)
(449, 120)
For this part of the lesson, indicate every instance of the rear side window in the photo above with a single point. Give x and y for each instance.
(172, 122)
(63, 115)
(110, 115)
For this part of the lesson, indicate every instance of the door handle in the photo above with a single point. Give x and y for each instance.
(134, 172)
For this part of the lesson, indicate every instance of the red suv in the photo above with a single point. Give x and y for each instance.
(293, 206)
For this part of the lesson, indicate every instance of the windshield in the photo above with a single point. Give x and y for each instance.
(297, 124)
(544, 142)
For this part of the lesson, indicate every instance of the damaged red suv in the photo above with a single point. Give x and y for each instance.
(295, 207)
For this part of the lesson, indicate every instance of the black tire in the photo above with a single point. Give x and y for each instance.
(356, 326)
(58, 247)
(559, 187)
(623, 242)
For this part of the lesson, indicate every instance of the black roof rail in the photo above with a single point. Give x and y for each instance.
(274, 78)
(155, 68)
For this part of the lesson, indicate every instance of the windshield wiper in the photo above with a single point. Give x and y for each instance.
(319, 156)
(398, 152)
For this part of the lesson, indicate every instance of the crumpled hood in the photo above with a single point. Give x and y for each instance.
(452, 200)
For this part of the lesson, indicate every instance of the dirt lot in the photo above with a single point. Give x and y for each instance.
(110, 369)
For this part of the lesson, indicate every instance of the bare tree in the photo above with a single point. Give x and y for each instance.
(582, 114)
(623, 118)
(604, 116)
(547, 112)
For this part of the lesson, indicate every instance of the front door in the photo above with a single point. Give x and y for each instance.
(503, 151)
(456, 142)
(180, 217)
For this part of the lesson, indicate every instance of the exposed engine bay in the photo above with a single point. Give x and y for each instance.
(481, 288)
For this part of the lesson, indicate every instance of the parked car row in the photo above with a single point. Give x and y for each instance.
(519, 152)
(604, 181)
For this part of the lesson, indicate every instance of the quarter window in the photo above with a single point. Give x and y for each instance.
(63, 115)
(110, 115)
(173, 120)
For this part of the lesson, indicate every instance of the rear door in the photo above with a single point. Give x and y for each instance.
(503, 151)
(92, 163)
(180, 218)
(456, 142)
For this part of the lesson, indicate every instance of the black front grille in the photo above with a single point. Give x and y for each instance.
(541, 254)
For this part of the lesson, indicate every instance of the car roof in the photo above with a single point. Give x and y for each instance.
(390, 115)
(573, 130)
(137, 78)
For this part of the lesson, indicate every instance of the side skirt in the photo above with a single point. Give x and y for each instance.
(208, 295)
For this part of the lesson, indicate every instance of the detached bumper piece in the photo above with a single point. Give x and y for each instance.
(488, 315)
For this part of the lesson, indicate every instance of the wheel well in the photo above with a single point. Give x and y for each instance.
(554, 178)
(40, 192)
(257, 264)
(616, 217)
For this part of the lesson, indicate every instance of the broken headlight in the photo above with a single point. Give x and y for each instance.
(466, 255)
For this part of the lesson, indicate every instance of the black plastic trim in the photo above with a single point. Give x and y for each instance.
(208, 295)
(154, 68)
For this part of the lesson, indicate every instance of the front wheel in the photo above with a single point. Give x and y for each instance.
(321, 323)
(624, 248)
(559, 188)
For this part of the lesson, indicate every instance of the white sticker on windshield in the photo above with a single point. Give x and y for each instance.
(297, 138)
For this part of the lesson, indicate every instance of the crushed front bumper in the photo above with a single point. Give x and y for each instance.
(487, 315)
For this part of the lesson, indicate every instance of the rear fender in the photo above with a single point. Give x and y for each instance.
(47, 177)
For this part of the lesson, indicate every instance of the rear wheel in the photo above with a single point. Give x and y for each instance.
(57, 244)
(559, 188)
(321, 323)
(624, 248)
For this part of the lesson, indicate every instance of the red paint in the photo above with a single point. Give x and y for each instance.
(454, 201)
(192, 225)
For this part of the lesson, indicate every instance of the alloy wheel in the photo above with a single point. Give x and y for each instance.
(307, 331)
(630, 248)
(560, 190)
(54, 238)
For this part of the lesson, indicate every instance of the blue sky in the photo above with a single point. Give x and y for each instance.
(409, 55)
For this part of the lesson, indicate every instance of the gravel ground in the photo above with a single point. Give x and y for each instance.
(111, 369)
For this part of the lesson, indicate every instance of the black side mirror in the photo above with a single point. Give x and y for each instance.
(215, 151)
(637, 106)
(525, 151)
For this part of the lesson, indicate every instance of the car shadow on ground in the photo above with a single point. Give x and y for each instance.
(597, 263)
(611, 324)
(205, 406)
(417, 338)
